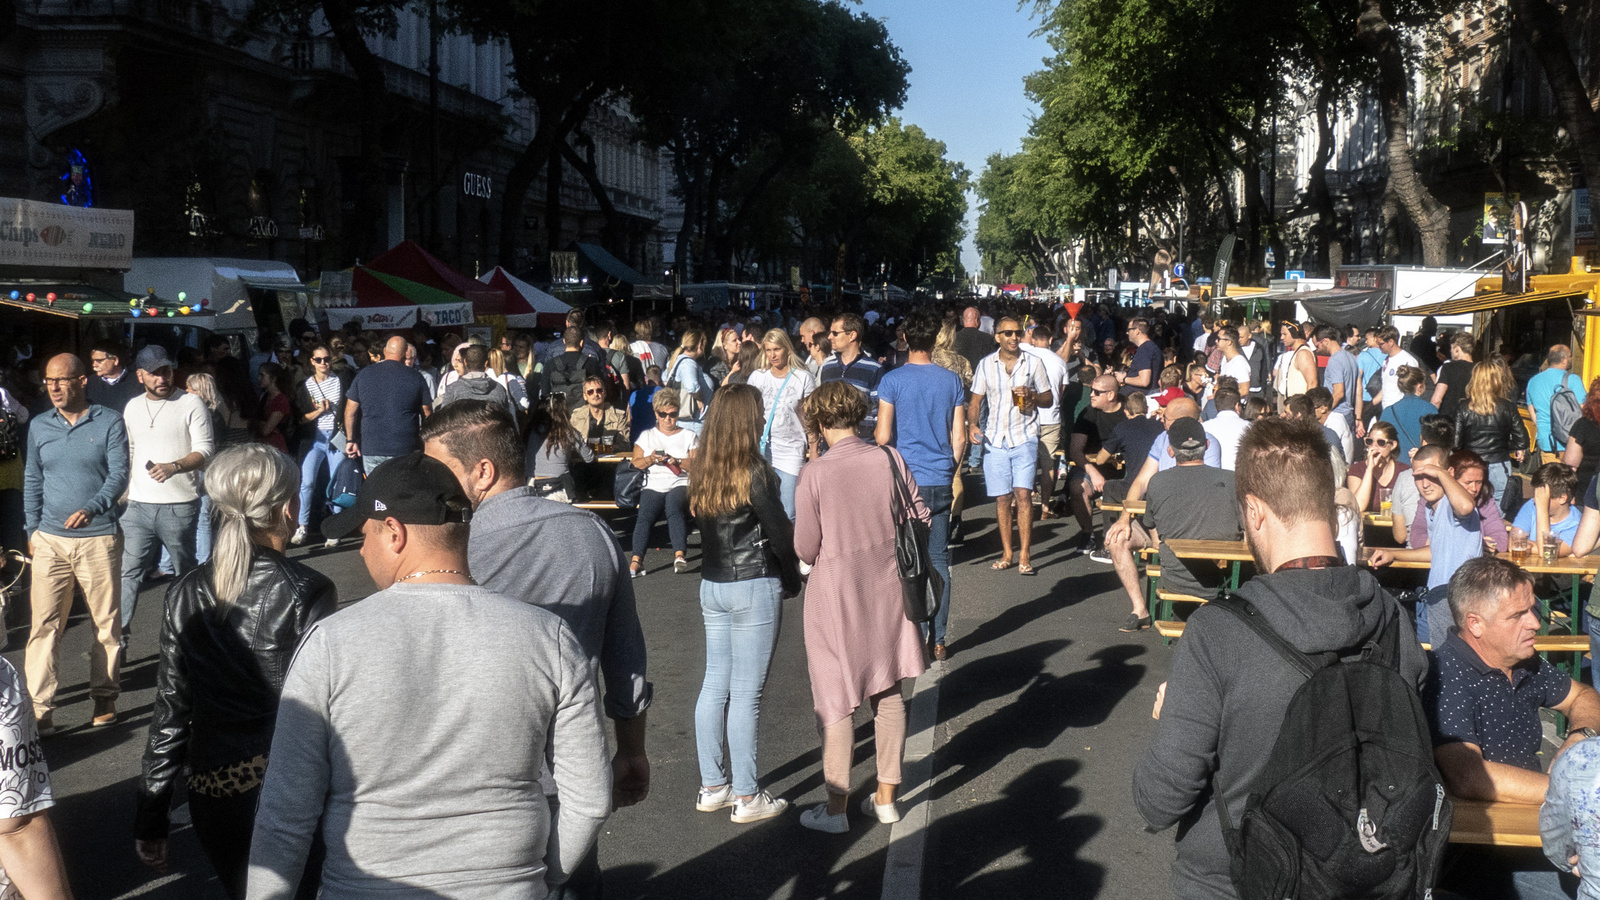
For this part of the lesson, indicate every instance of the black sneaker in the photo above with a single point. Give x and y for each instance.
(1098, 552)
(1135, 624)
(1082, 543)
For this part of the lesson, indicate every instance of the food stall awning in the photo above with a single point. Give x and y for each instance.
(1484, 302)
(391, 303)
(221, 281)
(408, 260)
(614, 268)
(1330, 306)
(526, 305)
(71, 299)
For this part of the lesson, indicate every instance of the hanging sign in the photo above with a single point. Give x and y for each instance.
(54, 234)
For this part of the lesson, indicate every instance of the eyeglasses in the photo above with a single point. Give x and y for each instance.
(1010, 332)
(97, 360)
(319, 359)
(837, 333)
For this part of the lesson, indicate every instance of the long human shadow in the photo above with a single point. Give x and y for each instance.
(1046, 708)
(1065, 593)
(1031, 815)
(978, 680)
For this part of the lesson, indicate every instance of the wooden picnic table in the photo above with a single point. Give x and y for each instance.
(1136, 508)
(1495, 823)
(1378, 520)
(1222, 551)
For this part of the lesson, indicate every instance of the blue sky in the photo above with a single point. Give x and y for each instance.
(968, 59)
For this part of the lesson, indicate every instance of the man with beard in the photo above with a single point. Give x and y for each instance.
(1229, 688)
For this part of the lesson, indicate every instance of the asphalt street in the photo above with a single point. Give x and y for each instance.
(1042, 710)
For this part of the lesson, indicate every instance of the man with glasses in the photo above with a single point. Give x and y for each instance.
(113, 385)
(77, 470)
(1015, 384)
(1093, 465)
(849, 364)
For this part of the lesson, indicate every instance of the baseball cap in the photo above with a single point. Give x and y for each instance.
(414, 489)
(153, 357)
(1186, 434)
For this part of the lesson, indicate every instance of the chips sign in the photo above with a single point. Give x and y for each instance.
(52, 234)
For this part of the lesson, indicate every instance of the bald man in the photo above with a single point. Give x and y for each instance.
(384, 408)
(971, 341)
(813, 340)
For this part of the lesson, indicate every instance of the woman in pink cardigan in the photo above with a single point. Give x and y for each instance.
(859, 644)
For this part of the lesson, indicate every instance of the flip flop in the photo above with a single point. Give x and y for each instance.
(1026, 569)
(1000, 565)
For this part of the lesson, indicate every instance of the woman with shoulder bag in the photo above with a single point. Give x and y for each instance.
(230, 629)
(320, 402)
(1488, 424)
(747, 567)
(859, 644)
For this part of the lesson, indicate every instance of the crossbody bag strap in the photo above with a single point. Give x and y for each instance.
(902, 493)
(772, 415)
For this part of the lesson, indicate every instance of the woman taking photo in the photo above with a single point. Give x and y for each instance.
(747, 567)
(664, 453)
(229, 631)
(320, 401)
(859, 644)
(1372, 479)
(784, 384)
(1488, 424)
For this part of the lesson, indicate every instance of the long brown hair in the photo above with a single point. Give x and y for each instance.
(561, 433)
(729, 452)
(1490, 382)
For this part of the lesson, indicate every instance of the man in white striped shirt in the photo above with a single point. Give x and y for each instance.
(1016, 385)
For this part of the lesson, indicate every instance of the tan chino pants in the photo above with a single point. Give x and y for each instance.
(95, 565)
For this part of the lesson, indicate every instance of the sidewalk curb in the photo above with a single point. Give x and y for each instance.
(903, 863)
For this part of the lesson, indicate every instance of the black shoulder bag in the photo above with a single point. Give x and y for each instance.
(921, 588)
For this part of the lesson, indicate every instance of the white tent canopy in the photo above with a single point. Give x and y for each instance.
(539, 301)
(224, 282)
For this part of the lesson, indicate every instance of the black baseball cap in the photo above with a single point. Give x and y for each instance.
(414, 489)
(1186, 434)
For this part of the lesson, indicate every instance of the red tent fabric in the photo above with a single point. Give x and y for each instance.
(526, 305)
(408, 260)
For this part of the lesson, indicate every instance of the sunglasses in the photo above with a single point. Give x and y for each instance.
(1106, 391)
(308, 339)
(319, 359)
(837, 333)
(667, 414)
(1010, 332)
(1377, 442)
(594, 393)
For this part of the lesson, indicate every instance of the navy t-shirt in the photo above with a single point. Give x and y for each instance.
(1469, 701)
(392, 396)
(1147, 357)
(924, 398)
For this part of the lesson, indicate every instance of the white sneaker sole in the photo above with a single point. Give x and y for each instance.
(775, 809)
(703, 806)
(817, 819)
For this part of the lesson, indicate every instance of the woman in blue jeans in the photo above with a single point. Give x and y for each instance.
(319, 402)
(748, 566)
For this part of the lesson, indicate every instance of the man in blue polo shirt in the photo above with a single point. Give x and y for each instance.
(1483, 696)
(850, 365)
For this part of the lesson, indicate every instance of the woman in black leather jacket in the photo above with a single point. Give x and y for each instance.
(1488, 424)
(229, 631)
(748, 566)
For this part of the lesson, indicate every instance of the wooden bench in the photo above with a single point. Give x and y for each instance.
(1169, 629)
(597, 504)
(1497, 824)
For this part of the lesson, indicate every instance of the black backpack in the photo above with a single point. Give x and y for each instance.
(1350, 803)
(10, 435)
(567, 374)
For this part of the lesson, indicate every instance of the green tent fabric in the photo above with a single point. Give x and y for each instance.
(411, 290)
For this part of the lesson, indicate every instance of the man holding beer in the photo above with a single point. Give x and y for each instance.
(1016, 385)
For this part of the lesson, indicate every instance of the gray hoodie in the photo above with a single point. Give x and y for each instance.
(1226, 697)
(478, 386)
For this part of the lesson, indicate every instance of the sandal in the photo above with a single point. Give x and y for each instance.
(1135, 623)
(1026, 569)
(1000, 565)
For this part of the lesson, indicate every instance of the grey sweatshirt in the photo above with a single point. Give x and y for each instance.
(478, 386)
(566, 560)
(1226, 697)
(414, 725)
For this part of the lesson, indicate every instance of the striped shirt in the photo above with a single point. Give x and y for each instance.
(1006, 425)
(863, 375)
(331, 390)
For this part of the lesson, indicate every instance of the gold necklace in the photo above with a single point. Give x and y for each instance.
(422, 572)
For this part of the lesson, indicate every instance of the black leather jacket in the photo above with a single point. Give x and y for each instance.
(1493, 437)
(754, 541)
(221, 673)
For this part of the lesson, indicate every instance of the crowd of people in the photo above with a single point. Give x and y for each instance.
(1332, 451)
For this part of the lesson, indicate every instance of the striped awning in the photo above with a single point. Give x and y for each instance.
(1484, 302)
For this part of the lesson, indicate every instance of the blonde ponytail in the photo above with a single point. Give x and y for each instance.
(251, 488)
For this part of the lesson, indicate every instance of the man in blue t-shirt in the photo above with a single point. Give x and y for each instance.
(384, 408)
(1455, 535)
(1146, 363)
(921, 413)
(1542, 391)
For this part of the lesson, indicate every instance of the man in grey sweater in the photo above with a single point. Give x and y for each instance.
(1227, 693)
(559, 558)
(415, 725)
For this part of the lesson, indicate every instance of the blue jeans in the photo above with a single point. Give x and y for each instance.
(939, 499)
(786, 486)
(742, 619)
(1499, 475)
(675, 504)
(202, 533)
(146, 527)
(319, 453)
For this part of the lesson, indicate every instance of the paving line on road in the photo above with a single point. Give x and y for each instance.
(903, 863)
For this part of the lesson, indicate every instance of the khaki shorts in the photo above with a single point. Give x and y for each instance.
(1049, 443)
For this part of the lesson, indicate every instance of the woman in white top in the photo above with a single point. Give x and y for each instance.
(665, 453)
(320, 404)
(784, 384)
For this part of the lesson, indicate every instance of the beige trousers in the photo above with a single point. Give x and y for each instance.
(59, 564)
(889, 733)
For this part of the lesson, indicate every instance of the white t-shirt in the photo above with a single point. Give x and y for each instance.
(1391, 375)
(1238, 368)
(1228, 428)
(165, 431)
(1347, 438)
(650, 354)
(24, 777)
(328, 389)
(787, 445)
(1055, 371)
(660, 478)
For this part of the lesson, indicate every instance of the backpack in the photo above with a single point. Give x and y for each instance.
(10, 435)
(1565, 410)
(345, 483)
(567, 374)
(1350, 803)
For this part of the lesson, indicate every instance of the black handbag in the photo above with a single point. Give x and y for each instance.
(628, 485)
(921, 588)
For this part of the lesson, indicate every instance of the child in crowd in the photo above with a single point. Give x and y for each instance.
(1554, 485)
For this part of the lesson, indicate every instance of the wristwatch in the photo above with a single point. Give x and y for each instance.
(1587, 732)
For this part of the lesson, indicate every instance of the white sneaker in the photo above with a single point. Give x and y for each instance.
(887, 813)
(330, 543)
(299, 536)
(805, 571)
(759, 807)
(817, 819)
(711, 801)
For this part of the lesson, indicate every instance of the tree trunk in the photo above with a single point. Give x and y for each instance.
(366, 231)
(1431, 217)
(1539, 24)
(552, 200)
(611, 235)
(1254, 223)
(689, 186)
(518, 181)
(1318, 197)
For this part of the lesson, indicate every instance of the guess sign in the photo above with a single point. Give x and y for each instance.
(474, 185)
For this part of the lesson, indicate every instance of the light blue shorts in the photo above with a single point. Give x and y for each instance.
(1006, 469)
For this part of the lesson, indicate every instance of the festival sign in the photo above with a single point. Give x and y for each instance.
(53, 234)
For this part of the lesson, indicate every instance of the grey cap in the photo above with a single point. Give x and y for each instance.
(153, 357)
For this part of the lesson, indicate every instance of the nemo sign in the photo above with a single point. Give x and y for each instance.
(52, 234)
